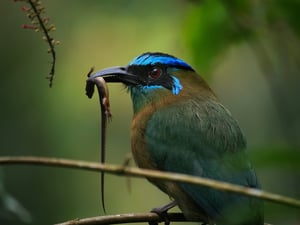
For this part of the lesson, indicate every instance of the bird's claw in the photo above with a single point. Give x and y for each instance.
(162, 212)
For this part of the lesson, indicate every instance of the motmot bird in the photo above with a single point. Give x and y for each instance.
(179, 125)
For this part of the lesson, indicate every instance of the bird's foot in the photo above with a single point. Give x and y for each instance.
(162, 212)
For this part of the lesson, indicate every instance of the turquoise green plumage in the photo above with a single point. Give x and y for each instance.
(180, 126)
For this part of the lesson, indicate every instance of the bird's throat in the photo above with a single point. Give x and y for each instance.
(142, 98)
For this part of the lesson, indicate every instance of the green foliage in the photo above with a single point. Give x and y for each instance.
(286, 11)
(207, 32)
(213, 26)
(283, 157)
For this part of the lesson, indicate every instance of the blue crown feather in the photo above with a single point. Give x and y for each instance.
(159, 58)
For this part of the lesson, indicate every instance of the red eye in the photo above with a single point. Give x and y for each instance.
(155, 73)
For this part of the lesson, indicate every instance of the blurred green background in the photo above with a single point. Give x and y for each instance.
(249, 52)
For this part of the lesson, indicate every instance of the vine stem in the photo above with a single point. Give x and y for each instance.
(137, 172)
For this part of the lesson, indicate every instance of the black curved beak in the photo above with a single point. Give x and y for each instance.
(112, 74)
(115, 74)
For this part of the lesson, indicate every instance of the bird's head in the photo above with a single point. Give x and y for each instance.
(153, 76)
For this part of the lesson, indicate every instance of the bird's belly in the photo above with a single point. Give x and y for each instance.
(186, 204)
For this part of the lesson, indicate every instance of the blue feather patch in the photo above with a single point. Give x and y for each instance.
(151, 87)
(151, 59)
(176, 87)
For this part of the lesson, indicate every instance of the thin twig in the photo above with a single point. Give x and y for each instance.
(40, 23)
(49, 41)
(136, 172)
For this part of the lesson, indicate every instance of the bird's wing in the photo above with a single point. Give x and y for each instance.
(201, 139)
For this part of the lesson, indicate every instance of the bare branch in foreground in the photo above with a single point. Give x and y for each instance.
(136, 172)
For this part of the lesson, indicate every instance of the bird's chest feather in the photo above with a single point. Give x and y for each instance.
(144, 110)
(138, 142)
(205, 130)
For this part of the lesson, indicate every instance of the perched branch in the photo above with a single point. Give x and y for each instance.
(40, 23)
(136, 172)
(125, 218)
